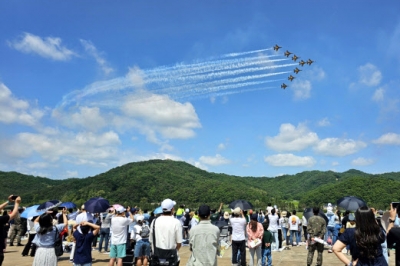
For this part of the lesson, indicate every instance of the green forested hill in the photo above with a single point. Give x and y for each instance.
(143, 183)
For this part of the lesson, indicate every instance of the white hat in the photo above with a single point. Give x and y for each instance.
(140, 218)
(187, 210)
(329, 205)
(167, 205)
(120, 209)
(83, 207)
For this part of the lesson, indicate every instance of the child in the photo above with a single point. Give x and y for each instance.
(83, 247)
(266, 245)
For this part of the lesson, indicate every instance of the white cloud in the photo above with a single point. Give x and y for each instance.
(338, 147)
(378, 95)
(369, 75)
(92, 50)
(214, 160)
(324, 122)
(13, 110)
(48, 47)
(221, 147)
(388, 139)
(88, 118)
(362, 161)
(158, 113)
(316, 73)
(289, 160)
(291, 138)
(301, 89)
(80, 148)
(335, 163)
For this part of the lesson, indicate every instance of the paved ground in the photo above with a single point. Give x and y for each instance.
(295, 256)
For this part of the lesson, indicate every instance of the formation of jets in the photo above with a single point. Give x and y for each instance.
(294, 58)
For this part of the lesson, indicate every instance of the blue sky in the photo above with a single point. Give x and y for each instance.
(86, 86)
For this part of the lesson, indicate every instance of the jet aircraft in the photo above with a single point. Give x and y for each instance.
(276, 47)
(309, 62)
(296, 70)
(301, 63)
(294, 57)
(287, 53)
(283, 86)
(291, 78)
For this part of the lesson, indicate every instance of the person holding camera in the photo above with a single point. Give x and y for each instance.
(4, 219)
(393, 232)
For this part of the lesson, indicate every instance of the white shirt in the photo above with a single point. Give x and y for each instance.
(269, 208)
(135, 233)
(294, 222)
(304, 221)
(83, 217)
(168, 232)
(273, 222)
(119, 230)
(238, 228)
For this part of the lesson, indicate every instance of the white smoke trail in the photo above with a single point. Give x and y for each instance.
(227, 72)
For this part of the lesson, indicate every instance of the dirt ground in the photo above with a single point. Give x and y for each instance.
(293, 257)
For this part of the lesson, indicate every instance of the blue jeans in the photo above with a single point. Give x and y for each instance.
(331, 231)
(284, 233)
(296, 235)
(104, 235)
(266, 255)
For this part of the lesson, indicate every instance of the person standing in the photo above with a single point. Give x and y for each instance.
(141, 232)
(46, 235)
(273, 228)
(105, 231)
(238, 223)
(316, 228)
(119, 224)
(4, 219)
(294, 223)
(32, 233)
(16, 230)
(266, 245)
(204, 240)
(393, 233)
(255, 233)
(166, 234)
(83, 250)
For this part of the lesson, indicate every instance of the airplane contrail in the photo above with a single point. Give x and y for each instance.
(226, 72)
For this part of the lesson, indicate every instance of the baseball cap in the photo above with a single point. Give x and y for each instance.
(204, 211)
(83, 207)
(187, 210)
(140, 218)
(120, 209)
(351, 217)
(226, 215)
(236, 210)
(168, 205)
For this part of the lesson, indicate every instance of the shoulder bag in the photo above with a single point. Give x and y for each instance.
(58, 247)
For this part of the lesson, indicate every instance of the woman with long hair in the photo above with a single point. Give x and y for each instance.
(364, 241)
(46, 234)
(255, 232)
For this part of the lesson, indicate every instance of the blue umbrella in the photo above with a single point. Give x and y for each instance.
(31, 212)
(97, 205)
(158, 210)
(68, 205)
(48, 205)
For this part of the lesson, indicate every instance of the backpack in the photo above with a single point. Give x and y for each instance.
(145, 232)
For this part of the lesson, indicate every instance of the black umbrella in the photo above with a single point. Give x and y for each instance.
(48, 205)
(242, 204)
(351, 203)
(309, 212)
(97, 205)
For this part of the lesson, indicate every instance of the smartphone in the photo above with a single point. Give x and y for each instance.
(13, 197)
(394, 204)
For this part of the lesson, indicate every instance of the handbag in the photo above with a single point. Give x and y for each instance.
(58, 247)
